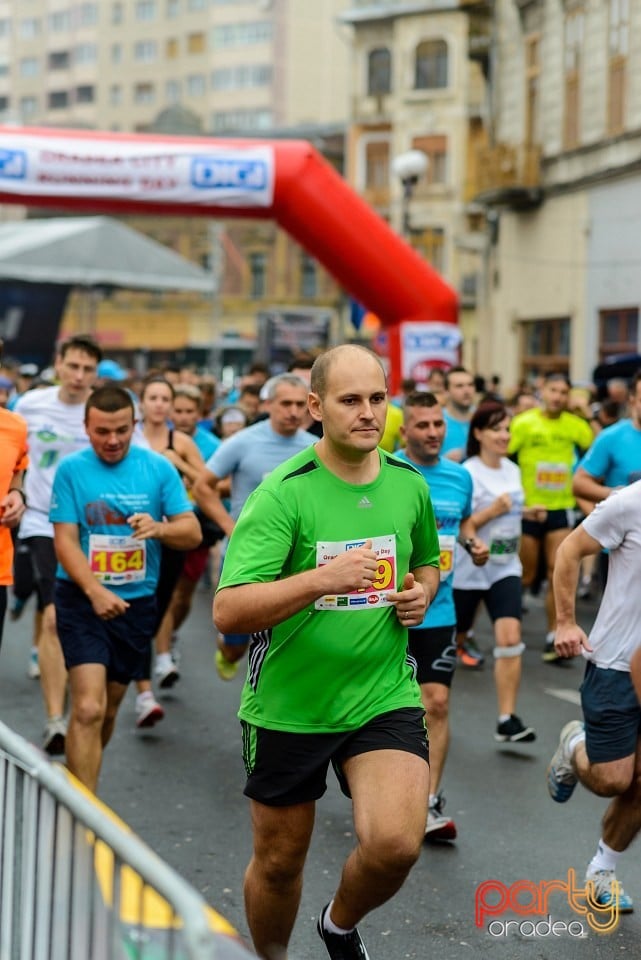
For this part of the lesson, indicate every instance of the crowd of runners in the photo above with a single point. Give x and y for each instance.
(122, 496)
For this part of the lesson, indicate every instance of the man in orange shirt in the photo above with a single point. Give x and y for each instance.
(13, 462)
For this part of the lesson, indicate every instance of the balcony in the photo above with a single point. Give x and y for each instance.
(508, 176)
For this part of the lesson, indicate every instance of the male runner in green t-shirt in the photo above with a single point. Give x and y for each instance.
(334, 556)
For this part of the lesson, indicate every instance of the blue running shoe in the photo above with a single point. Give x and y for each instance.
(607, 890)
(561, 777)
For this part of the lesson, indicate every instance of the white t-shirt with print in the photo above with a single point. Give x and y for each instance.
(501, 534)
(56, 429)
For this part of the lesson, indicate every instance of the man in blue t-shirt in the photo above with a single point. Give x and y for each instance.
(246, 458)
(433, 643)
(457, 412)
(112, 506)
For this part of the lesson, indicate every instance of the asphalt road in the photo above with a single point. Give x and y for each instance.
(179, 786)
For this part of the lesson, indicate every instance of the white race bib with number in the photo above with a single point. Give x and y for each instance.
(115, 561)
(446, 545)
(367, 597)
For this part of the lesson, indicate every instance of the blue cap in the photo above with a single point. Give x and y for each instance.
(110, 370)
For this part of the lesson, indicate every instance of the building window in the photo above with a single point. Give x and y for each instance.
(431, 64)
(308, 277)
(171, 48)
(4, 104)
(145, 51)
(86, 93)
(172, 91)
(28, 107)
(117, 13)
(173, 8)
(258, 275)
(377, 165)
(115, 95)
(144, 93)
(545, 346)
(573, 49)
(116, 53)
(196, 85)
(430, 243)
(146, 10)
(87, 14)
(242, 120)
(194, 5)
(196, 43)
(29, 67)
(58, 99)
(379, 71)
(85, 53)
(60, 21)
(241, 77)
(29, 28)
(435, 149)
(618, 48)
(618, 331)
(59, 60)
(241, 34)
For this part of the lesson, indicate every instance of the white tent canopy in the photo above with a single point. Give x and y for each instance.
(93, 252)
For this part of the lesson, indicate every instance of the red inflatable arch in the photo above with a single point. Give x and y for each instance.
(288, 181)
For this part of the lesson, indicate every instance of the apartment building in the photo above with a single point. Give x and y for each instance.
(418, 82)
(561, 175)
(216, 67)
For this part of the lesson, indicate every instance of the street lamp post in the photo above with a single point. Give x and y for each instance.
(409, 168)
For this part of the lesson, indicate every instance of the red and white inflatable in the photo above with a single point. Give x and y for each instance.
(287, 181)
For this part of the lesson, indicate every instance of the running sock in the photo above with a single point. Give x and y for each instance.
(164, 661)
(145, 695)
(330, 926)
(605, 858)
(504, 716)
(549, 636)
(574, 740)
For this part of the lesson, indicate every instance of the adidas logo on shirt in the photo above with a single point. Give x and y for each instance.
(364, 502)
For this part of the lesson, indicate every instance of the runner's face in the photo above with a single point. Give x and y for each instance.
(424, 432)
(185, 414)
(460, 387)
(355, 404)
(156, 402)
(77, 373)
(495, 440)
(555, 395)
(287, 409)
(110, 433)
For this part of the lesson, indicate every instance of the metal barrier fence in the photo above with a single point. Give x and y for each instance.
(77, 884)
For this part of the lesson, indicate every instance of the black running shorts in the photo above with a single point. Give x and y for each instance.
(284, 769)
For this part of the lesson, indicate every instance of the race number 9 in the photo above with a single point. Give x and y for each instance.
(384, 574)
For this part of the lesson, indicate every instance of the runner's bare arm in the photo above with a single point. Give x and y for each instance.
(205, 493)
(257, 606)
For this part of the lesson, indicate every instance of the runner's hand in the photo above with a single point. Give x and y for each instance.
(107, 604)
(144, 526)
(570, 639)
(479, 552)
(350, 570)
(410, 602)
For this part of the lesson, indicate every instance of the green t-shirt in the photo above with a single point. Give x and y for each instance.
(546, 449)
(343, 659)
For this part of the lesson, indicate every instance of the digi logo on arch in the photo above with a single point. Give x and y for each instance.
(13, 164)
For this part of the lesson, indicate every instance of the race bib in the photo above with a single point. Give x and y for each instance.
(367, 597)
(503, 548)
(446, 545)
(117, 560)
(552, 476)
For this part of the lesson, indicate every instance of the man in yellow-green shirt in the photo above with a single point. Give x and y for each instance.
(545, 442)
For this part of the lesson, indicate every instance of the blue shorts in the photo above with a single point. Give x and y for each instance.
(612, 714)
(122, 645)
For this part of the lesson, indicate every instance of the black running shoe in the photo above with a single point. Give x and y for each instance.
(514, 731)
(342, 946)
